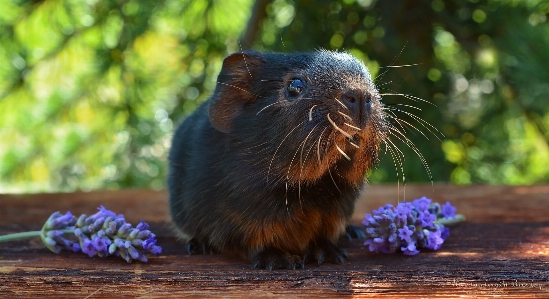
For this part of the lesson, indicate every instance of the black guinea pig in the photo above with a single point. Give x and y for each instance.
(271, 165)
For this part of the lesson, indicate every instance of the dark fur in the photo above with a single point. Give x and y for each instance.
(265, 181)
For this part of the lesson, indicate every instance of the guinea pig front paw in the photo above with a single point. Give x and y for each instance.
(354, 232)
(324, 250)
(273, 258)
(196, 247)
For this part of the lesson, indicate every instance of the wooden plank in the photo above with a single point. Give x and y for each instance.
(502, 249)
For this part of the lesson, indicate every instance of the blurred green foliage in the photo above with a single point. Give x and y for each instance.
(90, 91)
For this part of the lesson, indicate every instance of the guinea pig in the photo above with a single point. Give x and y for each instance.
(271, 165)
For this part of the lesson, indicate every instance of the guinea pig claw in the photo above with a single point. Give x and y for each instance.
(326, 251)
(271, 259)
(196, 247)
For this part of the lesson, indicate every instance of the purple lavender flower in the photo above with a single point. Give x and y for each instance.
(150, 244)
(409, 226)
(448, 210)
(88, 247)
(403, 211)
(102, 234)
(409, 249)
(422, 203)
(405, 233)
(142, 225)
(52, 232)
(434, 240)
(445, 233)
(427, 219)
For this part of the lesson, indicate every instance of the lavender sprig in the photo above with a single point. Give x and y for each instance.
(409, 226)
(102, 234)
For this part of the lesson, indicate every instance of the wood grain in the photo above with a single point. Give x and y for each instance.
(502, 250)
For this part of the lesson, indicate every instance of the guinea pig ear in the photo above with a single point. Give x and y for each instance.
(234, 88)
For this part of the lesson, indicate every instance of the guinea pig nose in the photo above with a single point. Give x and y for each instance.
(349, 98)
(352, 101)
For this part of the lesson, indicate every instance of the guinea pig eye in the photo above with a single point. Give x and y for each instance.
(295, 88)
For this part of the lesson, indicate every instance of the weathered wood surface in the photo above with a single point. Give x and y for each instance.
(502, 250)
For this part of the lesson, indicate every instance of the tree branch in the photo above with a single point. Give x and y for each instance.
(259, 12)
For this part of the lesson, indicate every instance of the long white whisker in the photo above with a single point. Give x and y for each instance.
(345, 115)
(351, 126)
(311, 113)
(331, 176)
(343, 153)
(393, 61)
(325, 152)
(397, 66)
(392, 115)
(303, 147)
(341, 103)
(380, 76)
(378, 85)
(266, 107)
(410, 125)
(309, 151)
(404, 105)
(410, 97)
(414, 148)
(338, 128)
(397, 158)
(424, 123)
(276, 151)
(233, 86)
(318, 145)
(245, 62)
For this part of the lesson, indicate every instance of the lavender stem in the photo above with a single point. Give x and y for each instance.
(451, 221)
(27, 235)
(20, 236)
